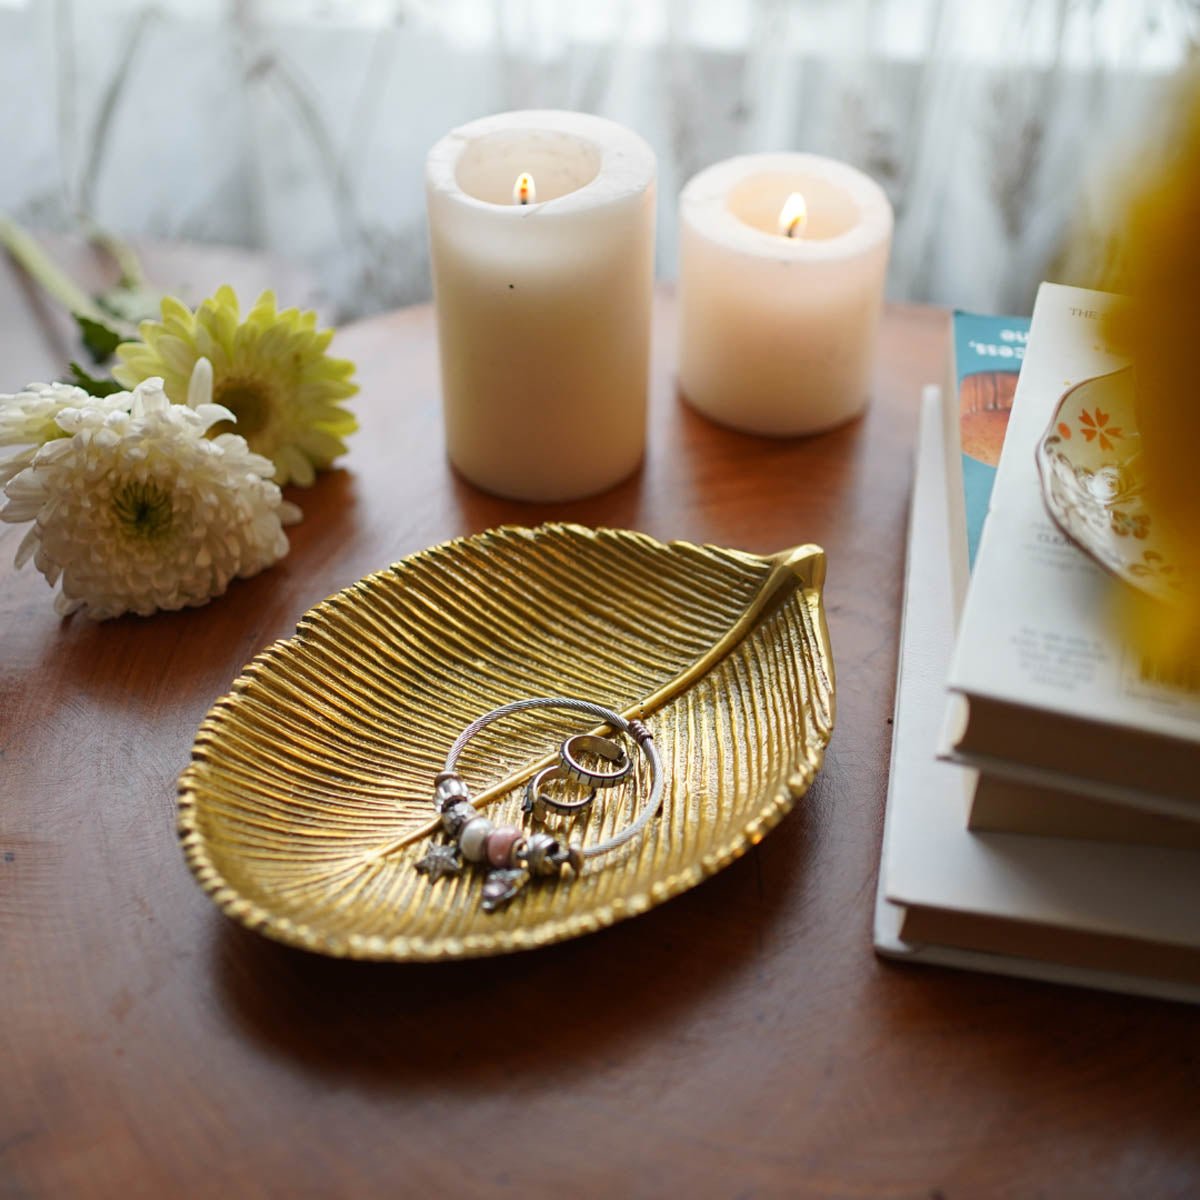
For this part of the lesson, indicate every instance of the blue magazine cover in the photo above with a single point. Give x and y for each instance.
(988, 352)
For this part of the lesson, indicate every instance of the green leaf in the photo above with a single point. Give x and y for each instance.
(131, 304)
(90, 383)
(100, 339)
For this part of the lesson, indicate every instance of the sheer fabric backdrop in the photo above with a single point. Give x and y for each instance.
(302, 126)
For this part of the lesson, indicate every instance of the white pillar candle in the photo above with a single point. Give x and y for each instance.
(543, 307)
(777, 332)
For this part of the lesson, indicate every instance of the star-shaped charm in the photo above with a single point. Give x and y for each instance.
(438, 861)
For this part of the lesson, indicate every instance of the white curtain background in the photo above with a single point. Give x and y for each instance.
(301, 126)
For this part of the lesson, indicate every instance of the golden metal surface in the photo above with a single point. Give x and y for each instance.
(308, 798)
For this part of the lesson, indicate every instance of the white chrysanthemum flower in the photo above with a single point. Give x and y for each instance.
(30, 418)
(135, 509)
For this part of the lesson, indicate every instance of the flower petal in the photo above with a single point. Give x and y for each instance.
(29, 543)
(271, 369)
(200, 386)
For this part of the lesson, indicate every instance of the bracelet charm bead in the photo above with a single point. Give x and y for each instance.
(512, 857)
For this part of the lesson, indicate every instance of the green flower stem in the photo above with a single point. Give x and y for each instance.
(120, 251)
(37, 264)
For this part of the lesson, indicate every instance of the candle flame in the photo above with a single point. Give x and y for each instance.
(524, 190)
(793, 216)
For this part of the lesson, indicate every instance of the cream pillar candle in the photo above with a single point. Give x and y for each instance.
(541, 228)
(779, 305)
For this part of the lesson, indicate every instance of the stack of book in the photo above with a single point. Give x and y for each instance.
(1043, 813)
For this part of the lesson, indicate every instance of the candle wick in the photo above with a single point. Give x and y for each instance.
(793, 216)
(524, 190)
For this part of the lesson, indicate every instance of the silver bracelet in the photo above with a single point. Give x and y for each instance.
(512, 856)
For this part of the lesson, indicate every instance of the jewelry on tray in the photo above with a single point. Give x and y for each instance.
(600, 747)
(512, 856)
(539, 802)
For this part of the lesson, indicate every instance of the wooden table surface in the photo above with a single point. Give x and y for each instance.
(740, 1041)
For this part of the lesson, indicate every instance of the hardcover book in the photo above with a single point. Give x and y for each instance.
(985, 360)
(1048, 691)
(1003, 805)
(1109, 916)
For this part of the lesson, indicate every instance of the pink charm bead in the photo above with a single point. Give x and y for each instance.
(500, 843)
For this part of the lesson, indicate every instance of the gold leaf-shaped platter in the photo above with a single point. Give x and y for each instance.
(308, 799)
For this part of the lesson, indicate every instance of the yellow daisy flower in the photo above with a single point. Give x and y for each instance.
(270, 370)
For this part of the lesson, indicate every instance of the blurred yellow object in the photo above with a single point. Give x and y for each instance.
(1160, 329)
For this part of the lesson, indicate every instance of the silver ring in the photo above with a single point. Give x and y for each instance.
(537, 803)
(601, 747)
(632, 726)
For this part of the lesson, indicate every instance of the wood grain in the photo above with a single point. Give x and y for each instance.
(741, 1040)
